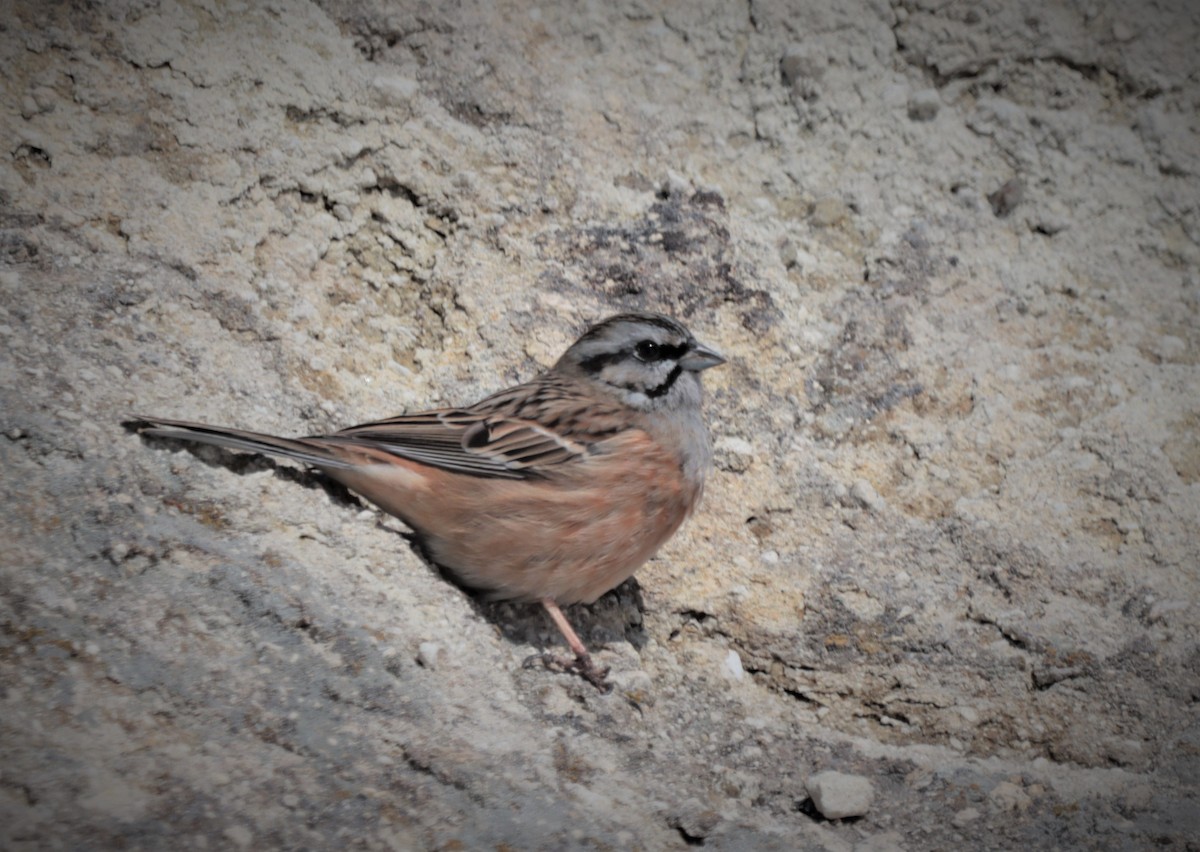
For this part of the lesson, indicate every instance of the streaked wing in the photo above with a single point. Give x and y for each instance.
(514, 434)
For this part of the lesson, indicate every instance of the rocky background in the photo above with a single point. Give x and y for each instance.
(943, 589)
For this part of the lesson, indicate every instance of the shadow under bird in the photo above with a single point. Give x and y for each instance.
(553, 491)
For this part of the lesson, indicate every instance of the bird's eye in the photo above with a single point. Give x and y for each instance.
(647, 350)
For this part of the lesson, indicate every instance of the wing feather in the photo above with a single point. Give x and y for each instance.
(510, 435)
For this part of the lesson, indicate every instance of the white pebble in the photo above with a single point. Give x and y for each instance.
(733, 665)
(430, 654)
(395, 90)
(838, 795)
(965, 817)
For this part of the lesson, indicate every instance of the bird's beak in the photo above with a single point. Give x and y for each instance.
(700, 357)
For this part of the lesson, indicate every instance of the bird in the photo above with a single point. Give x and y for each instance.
(553, 491)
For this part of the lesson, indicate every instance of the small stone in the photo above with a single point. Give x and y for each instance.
(965, 817)
(733, 665)
(1051, 221)
(1007, 796)
(838, 795)
(800, 63)
(676, 185)
(695, 821)
(734, 455)
(829, 212)
(395, 90)
(1170, 347)
(1006, 199)
(1125, 752)
(430, 655)
(862, 493)
(1163, 610)
(924, 105)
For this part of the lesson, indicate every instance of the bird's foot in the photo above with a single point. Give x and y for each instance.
(580, 664)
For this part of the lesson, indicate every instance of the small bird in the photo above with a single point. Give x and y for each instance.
(553, 491)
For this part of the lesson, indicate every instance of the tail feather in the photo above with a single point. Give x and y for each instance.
(308, 450)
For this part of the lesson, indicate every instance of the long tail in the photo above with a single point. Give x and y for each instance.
(312, 450)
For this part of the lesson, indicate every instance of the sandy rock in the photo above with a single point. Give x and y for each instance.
(948, 250)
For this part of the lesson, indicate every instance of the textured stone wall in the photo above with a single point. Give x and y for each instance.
(946, 571)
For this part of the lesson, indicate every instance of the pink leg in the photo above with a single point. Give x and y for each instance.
(583, 660)
(564, 627)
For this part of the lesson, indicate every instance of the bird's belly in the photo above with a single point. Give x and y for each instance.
(527, 540)
(569, 547)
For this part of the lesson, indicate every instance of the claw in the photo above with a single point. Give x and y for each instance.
(581, 665)
(597, 677)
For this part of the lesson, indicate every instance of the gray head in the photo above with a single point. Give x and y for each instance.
(647, 360)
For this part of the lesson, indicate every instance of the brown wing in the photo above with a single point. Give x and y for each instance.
(520, 433)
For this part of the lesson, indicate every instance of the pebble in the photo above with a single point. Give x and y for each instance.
(924, 105)
(864, 494)
(1007, 796)
(430, 654)
(799, 64)
(1007, 197)
(676, 184)
(734, 455)
(733, 665)
(965, 817)
(395, 90)
(695, 821)
(1161, 610)
(838, 795)
(1170, 347)
(828, 212)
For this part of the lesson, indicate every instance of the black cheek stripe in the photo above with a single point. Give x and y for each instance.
(655, 393)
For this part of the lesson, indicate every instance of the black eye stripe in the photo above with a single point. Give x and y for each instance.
(598, 362)
(664, 352)
(649, 350)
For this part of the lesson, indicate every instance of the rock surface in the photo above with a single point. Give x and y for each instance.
(950, 250)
